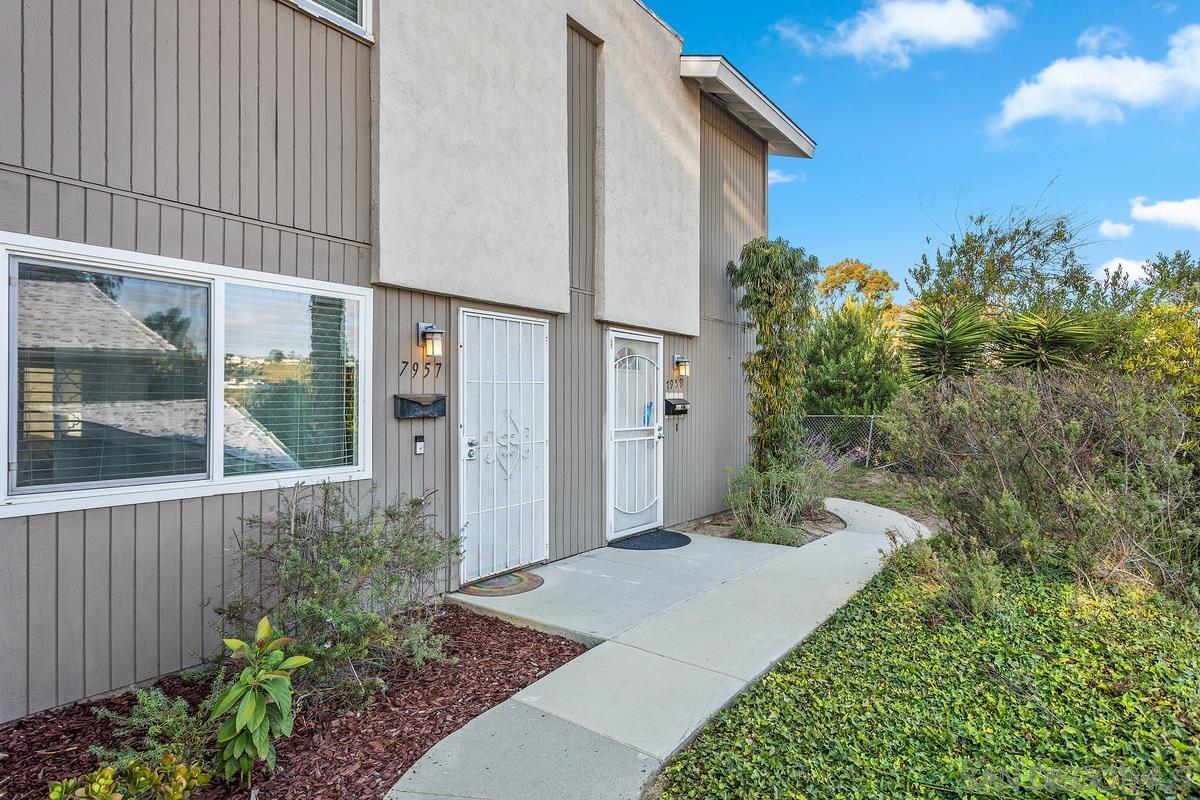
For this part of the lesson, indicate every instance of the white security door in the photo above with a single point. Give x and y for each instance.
(635, 432)
(504, 444)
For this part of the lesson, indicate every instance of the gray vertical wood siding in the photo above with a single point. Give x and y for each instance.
(582, 64)
(714, 437)
(235, 132)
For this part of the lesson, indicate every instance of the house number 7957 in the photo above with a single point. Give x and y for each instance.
(421, 368)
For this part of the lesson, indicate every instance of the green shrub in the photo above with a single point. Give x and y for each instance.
(171, 779)
(972, 579)
(772, 505)
(339, 576)
(164, 726)
(1062, 470)
(851, 364)
(257, 707)
(967, 580)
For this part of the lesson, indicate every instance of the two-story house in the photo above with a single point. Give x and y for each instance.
(463, 247)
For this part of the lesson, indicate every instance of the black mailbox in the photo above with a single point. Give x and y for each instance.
(420, 406)
(677, 406)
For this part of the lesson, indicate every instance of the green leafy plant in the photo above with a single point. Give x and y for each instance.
(163, 726)
(348, 580)
(257, 707)
(776, 282)
(170, 779)
(944, 341)
(1045, 340)
(1063, 693)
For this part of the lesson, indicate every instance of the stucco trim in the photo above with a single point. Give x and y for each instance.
(717, 77)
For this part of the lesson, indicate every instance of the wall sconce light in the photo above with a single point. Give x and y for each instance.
(683, 366)
(430, 338)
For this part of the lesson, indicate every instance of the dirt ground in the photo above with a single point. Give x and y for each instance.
(723, 525)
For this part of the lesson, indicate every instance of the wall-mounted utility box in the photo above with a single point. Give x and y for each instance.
(419, 406)
(676, 407)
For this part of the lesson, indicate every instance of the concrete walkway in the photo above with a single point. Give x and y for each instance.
(675, 635)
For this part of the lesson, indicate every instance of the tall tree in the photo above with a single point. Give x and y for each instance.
(1025, 260)
(776, 285)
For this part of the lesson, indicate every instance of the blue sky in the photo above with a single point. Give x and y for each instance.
(927, 109)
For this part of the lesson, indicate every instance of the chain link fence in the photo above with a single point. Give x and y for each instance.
(853, 436)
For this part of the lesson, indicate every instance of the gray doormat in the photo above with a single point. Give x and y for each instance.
(659, 539)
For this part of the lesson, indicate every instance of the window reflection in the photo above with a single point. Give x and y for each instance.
(112, 377)
(291, 374)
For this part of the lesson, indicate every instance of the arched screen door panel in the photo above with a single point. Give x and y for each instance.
(504, 442)
(635, 432)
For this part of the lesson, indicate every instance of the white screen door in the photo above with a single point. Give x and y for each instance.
(504, 442)
(635, 432)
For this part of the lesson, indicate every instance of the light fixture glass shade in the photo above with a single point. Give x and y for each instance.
(433, 344)
(683, 366)
(430, 338)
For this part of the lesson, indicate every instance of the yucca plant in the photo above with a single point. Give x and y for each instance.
(944, 341)
(1043, 340)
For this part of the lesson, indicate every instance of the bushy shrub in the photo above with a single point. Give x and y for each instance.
(1066, 470)
(772, 505)
(168, 779)
(339, 577)
(162, 726)
(968, 579)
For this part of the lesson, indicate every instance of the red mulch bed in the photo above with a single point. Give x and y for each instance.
(357, 755)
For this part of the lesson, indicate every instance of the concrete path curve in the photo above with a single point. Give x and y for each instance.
(674, 636)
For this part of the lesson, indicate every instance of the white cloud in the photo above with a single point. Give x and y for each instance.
(796, 36)
(1103, 39)
(1176, 213)
(1132, 268)
(1100, 88)
(775, 176)
(889, 33)
(1115, 230)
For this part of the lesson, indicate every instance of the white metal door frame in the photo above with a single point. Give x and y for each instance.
(609, 433)
(544, 552)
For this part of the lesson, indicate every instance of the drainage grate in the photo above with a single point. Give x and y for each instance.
(660, 539)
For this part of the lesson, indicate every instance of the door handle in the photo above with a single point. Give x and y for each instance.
(470, 448)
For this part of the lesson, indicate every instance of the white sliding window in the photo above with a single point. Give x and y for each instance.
(133, 378)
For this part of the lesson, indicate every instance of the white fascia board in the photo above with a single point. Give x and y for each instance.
(717, 77)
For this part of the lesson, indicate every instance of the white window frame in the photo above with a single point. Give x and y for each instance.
(315, 9)
(18, 246)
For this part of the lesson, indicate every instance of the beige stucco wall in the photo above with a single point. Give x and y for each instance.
(472, 157)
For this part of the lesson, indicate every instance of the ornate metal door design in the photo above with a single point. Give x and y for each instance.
(635, 432)
(504, 442)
